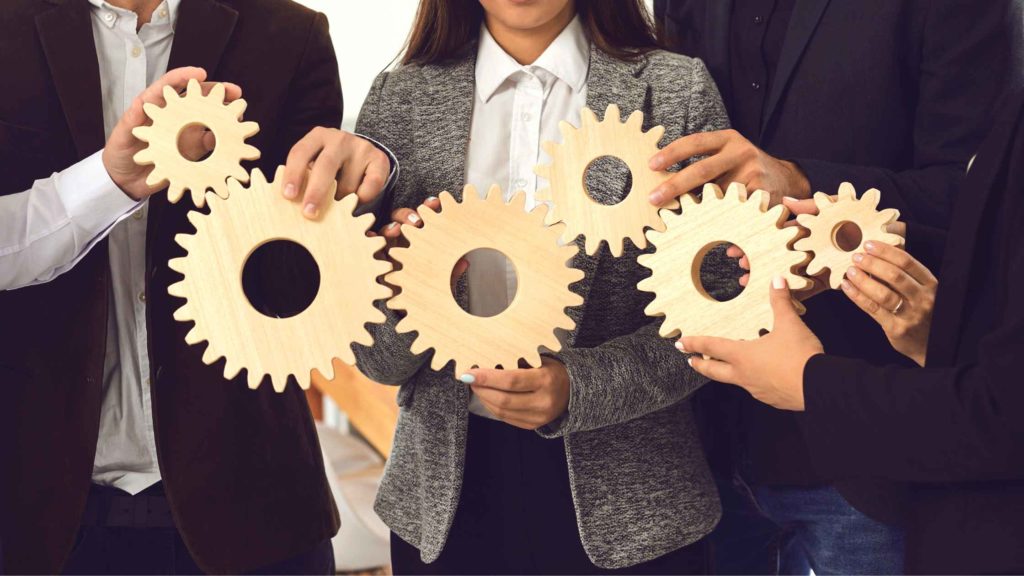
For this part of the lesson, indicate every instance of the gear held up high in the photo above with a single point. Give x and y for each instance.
(540, 243)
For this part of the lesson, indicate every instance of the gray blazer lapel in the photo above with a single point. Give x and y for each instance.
(609, 81)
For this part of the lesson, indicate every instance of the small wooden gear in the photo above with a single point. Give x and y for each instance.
(424, 282)
(567, 190)
(181, 112)
(832, 216)
(679, 295)
(278, 347)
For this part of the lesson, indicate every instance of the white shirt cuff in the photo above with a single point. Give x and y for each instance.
(92, 201)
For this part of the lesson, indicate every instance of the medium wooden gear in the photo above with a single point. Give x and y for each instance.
(181, 112)
(278, 347)
(567, 191)
(833, 215)
(424, 280)
(675, 265)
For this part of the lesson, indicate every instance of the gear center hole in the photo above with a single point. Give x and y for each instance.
(603, 175)
(494, 279)
(280, 279)
(716, 274)
(196, 142)
(847, 236)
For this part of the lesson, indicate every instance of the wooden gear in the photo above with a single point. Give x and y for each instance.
(832, 215)
(181, 112)
(278, 347)
(424, 281)
(675, 265)
(566, 179)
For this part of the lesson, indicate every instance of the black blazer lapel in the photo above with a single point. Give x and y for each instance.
(806, 16)
(971, 205)
(66, 36)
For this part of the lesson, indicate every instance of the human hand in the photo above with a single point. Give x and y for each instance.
(897, 291)
(409, 217)
(328, 156)
(729, 158)
(771, 368)
(525, 398)
(195, 142)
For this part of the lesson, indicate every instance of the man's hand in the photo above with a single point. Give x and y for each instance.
(770, 368)
(528, 398)
(195, 142)
(327, 156)
(729, 158)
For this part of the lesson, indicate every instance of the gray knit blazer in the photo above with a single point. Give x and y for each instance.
(639, 479)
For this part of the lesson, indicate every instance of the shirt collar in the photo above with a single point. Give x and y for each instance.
(567, 58)
(168, 6)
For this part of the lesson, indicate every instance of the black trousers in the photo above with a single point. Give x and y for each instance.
(123, 534)
(516, 514)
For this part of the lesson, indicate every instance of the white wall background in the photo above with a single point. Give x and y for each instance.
(367, 35)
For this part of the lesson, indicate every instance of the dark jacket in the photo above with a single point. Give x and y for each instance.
(892, 94)
(242, 469)
(954, 429)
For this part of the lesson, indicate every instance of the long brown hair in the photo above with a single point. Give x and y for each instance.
(444, 28)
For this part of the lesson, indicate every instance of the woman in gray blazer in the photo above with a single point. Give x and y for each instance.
(606, 471)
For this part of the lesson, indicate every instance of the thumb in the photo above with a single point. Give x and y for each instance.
(782, 301)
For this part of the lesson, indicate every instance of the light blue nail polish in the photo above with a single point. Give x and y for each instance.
(467, 379)
(431, 198)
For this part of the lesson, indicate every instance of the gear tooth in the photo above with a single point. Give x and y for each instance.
(174, 192)
(518, 201)
(177, 289)
(551, 148)
(195, 336)
(889, 215)
(803, 244)
(248, 129)
(847, 191)
(493, 194)
(250, 152)
(655, 134)
(199, 198)
(736, 192)
(612, 113)
(892, 239)
(254, 378)
(714, 189)
(635, 121)
(143, 133)
(822, 201)
(183, 314)
(194, 90)
(615, 246)
(210, 355)
(806, 220)
(196, 218)
(235, 187)
(587, 118)
(217, 93)
(542, 170)
(178, 264)
(231, 369)
(156, 179)
(237, 108)
(814, 267)
(872, 198)
(448, 201)
(144, 157)
(566, 130)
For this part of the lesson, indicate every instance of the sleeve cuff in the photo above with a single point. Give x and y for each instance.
(92, 201)
(371, 206)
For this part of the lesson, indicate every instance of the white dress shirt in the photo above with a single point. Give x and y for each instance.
(516, 108)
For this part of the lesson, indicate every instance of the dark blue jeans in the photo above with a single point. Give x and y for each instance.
(793, 530)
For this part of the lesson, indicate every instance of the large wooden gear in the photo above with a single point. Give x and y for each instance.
(278, 347)
(832, 216)
(675, 265)
(572, 205)
(424, 282)
(181, 112)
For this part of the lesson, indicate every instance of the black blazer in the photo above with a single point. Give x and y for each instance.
(242, 469)
(955, 429)
(892, 94)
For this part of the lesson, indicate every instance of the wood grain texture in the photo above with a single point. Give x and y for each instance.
(424, 281)
(833, 213)
(278, 347)
(719, 218)
(567, 191)
(180, 173)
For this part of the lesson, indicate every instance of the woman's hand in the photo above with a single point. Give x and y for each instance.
(409, 217)
(770, 368)
(897, 291)
(328, 156)
(527, 398)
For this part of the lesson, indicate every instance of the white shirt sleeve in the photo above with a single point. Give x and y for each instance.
(49, 228)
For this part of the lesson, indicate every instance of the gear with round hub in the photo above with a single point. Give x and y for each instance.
(833, 214)
(732, 218)
(212, 287)
(179, 113)
(425, 292)
(573, 205)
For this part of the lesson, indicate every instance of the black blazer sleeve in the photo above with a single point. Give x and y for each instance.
(970, 57)
(951, 424)
(926, 243)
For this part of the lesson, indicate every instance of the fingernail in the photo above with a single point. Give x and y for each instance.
(413, 218)
(657, 197)
(778, 282)
(690, 362)
(431, 198)
(467, 379)
(679, 346)
(310, 210)
(789, 199)
(290, 192)
(656, 163)
(851, 272)
(858, 257)
(846, 285)
(392, 225)
(870, 246)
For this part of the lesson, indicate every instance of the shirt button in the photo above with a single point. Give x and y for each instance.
(755, 85)
(142, 296)
(163, 13)
(139, 215)
(136, 51)
(519, 183)
(108, 16)
(758, 19)
(526, 117)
